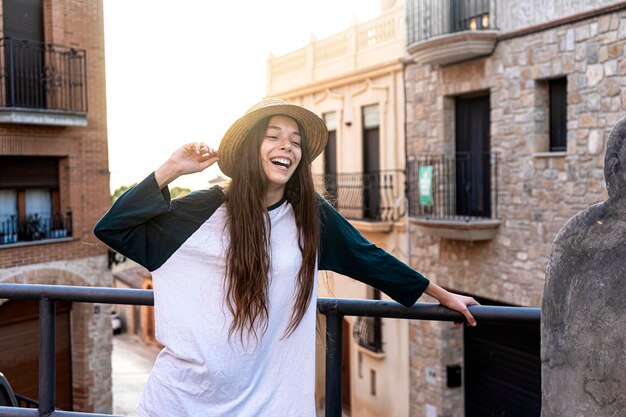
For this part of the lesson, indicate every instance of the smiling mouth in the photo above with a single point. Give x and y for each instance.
(281, 162)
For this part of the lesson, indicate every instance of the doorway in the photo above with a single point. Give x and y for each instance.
(24, 53)
(371, 163)
(502, 369)
(473, 156)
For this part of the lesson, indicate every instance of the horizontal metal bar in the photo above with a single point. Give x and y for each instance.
(18, 412)
(28, 412)
(59, 413)
(76, 293)
(427, 311)
(346, 307)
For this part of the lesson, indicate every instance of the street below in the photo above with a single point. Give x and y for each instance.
(132, 361)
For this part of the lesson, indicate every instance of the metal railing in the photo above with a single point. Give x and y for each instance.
(42, 76)
(369, 196)
(333, 309)
(460, 188)
(35, 227)
(430, 18)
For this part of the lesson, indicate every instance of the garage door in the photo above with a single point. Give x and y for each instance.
(19, 347)
(502, 370)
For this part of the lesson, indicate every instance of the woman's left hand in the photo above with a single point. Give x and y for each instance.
(453, 301)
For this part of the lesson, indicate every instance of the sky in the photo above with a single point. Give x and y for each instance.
(183, 71)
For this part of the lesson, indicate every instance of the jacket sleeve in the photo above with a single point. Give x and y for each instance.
(344, 250)
(145, 226)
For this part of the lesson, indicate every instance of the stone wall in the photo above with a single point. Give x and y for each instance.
(514, 14)
(538, 190)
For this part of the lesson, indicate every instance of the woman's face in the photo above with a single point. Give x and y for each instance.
(281, 151)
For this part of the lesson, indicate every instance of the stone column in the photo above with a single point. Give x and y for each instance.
(583, 330)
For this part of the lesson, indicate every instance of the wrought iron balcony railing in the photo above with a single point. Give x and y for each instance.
(430, 18)
(369, 196)
(333, 309)
(459, 188)
(368, 333)
(42, 76)
(35, 227)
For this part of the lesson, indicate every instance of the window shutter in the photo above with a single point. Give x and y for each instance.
(371, 117)
(331, 121)
(26, 172)
(23, 19)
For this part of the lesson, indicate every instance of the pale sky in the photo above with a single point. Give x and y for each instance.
(183, 71)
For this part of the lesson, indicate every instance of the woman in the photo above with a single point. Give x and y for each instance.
(235, 270)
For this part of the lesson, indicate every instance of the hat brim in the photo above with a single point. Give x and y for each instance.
(314, 132)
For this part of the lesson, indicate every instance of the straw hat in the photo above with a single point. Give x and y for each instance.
(315, 132)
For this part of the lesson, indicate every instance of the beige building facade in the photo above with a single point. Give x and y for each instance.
(509, 105)
(354, 81)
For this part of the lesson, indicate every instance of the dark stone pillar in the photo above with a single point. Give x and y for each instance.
(583, 329)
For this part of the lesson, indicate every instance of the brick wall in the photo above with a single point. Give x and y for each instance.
(84, 189)
(76, 24)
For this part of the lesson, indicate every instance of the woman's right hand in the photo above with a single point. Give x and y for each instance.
(188, 159)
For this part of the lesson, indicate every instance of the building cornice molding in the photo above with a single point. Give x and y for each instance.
(351, 78)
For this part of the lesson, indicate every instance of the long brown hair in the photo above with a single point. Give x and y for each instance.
(247, 257)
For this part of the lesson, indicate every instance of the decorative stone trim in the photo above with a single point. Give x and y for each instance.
(549, 154)
(36, 242)
(45, 117)
(372, 227)
(455, 47)
(376, 355)
(472, 230)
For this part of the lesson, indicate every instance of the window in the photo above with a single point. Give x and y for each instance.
(368, 331)
(371, 162)
(549, 139)
(30, 206)
(469, 15)
(330, 153)
(330, 158)
(558, 114)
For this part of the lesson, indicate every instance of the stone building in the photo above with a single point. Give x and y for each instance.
(54, 185)
(354, 81)
(508, 108)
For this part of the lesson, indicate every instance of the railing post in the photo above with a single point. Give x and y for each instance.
(334, 322)
(47, 353)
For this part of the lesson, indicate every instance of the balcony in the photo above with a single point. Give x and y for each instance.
(36, 228)
(365, 197)
(42, 84)
(443, 32)
(455, 197)
(333, 309)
